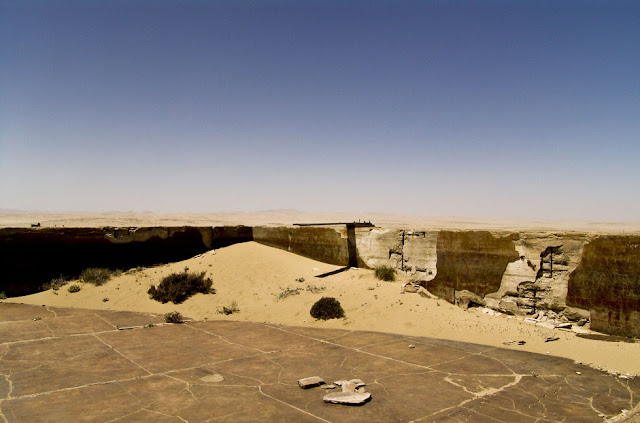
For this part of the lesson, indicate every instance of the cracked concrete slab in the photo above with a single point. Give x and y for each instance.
(77, 366)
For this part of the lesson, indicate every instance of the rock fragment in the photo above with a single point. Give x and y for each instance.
(310, 382)
(410, 288)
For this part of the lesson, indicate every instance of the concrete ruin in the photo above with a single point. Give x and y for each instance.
(572, 276)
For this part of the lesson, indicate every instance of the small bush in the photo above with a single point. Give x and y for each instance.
(105, 299)
(55, 284)
(96, 275)
(3, 295)
(74, 288)
(233, 308)
(327, 308)
(177, 287)
(173, 317)
(385, 273)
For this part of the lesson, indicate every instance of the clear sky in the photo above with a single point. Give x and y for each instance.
(526, 109)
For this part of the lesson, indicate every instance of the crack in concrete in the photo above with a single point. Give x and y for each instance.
(166, 415)
(53, 334)
(222, 338)
(491, 391)
(225, 417)
(8, 379)
(73, 388)
(260, 383)
(2, 413)
(47, 338)
(292, 406)
(121, 354)
(593, 407)
(105, 320)
(628, 388)
(187, 388)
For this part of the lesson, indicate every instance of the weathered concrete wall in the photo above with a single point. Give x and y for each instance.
(607, 282)
(471, 261)
(530, 284)
(32, 257)
(379, 247)
(326, 244)
(409, 251)
(573, 275)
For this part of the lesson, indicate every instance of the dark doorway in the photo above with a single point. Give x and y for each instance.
(351, 245)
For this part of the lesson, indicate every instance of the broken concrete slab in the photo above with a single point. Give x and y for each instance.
(204, 371)
(349, 398)
(349, 385)
(310, 382)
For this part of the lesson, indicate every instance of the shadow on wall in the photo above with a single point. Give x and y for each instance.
(607, 282)
(31, 257)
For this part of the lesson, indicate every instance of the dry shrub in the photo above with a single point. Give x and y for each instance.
(173, 317)
(327, 308)
(385, 273)
(177, 287)
(96, 275)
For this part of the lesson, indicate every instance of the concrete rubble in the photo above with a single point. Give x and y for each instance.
(353, 393)
(310, 382)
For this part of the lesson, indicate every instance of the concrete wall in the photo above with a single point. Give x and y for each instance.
(607, 282)
(524, 272)
(325, 244)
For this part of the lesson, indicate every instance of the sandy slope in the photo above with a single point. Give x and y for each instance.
(254, 275)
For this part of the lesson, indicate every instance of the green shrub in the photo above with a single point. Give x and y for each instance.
(173, 317)
(55, 284)
(3, 295)
(385, 273)
(74, 288)
(96, 275)
(177, 287)
(327, 308)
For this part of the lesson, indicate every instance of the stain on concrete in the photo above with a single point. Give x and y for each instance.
(325, 244)
(473, 261)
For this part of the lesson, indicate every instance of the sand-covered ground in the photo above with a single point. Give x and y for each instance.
(289, 217)
(254, 276)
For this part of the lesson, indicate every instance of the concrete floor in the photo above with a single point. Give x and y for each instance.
(72, 365)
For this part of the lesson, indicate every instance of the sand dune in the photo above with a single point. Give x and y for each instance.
(254, 276)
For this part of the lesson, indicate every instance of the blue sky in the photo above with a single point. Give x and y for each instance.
(434, 108)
